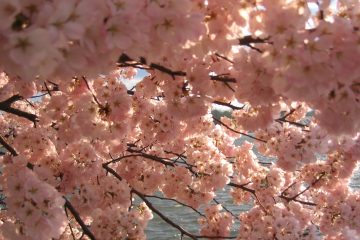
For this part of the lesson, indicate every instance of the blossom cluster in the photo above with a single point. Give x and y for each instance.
(35, 207)
(107, 103)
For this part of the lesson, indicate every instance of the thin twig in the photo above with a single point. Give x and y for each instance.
(71, 230)
(252, 191)
(225, 208)
(122, 157)
(223, 57)
(174, 200)
(235, 131)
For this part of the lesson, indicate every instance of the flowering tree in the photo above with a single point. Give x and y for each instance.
(80, 146)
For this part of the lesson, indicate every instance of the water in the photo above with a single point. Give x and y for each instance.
(159, 230)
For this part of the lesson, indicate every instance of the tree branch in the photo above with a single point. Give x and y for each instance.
(235, 131)
(71, 229)
(151, 157)
(125, 61)
(7, 146)
(248, 40)
(252, 191)
(67, 203)
(174, 200)
(225, 208)
(77, 217)
(159, 213)
(295, 197)
(233, 107)
(6, 107)
(283, 119)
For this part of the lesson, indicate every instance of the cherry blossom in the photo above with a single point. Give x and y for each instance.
(106, 105)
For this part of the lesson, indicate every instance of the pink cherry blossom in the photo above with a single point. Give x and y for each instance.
(106, 105)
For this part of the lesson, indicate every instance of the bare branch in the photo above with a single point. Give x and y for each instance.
(125, 61)
(122, 157)
(252, 191)
(223, 57)
(8, 146)
(235, 131)
(6, 107)
(283, 119)
(174, 200)
(159, 213)
(71, 229)
(225, 208)
(151, 157)
(248, 40)
(295, 197)
(228, 105)
(77, 217)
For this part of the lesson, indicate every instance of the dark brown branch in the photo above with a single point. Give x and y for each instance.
(283, 119)
(242, 186)
(159, 213)
(223, 79)
(13, 151)
(225, 208)
(292, 123)
(252, 191)
(167, 70)
(125, 61)
(225, 58)
(47, 89)
(165, 161)
(114, 173)
(6, 107)
(228, 105)
(7, 146)
(11, 100)
(295, 197)
(179, 155)
(149, 204)
(122, 157)
(171, 223)
(162, 216)
(71, 229)
(248, 40)
(174, 200)
(30, 103)
(235, 131)
(77, 217)
(132, 92)
(151, 157)
(94, 96)
(305, 202)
